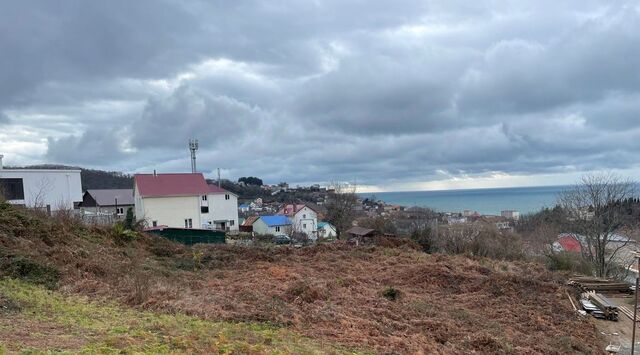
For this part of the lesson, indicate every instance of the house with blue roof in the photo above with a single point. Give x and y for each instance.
(327, 230)
(273, 225)
(244, 208)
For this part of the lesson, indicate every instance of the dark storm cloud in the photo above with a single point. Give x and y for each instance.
(170, 121)
(76, 40)
(91, 146)
(372, 91)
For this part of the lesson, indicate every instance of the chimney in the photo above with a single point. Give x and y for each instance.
(154, 173)
(1, 156)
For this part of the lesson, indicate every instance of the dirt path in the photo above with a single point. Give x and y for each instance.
(619, 333)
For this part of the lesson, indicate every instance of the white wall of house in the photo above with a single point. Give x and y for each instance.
(306, 221)
(222, 207)
(57, 189)
(259, 227)
(171, 211)
(328, 231)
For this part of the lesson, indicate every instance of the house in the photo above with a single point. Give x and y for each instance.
(569, 243)
(326, 230)
(48, 189)
(456, 220)
(110, 202)
(273, 225)
(359, 234)
(510, 214)
(304, 219)
(247, 224)
(243, 208)
(184, 200)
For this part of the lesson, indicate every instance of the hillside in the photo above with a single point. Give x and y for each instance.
(147, 294)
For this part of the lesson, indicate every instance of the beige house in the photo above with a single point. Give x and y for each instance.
(184, 200)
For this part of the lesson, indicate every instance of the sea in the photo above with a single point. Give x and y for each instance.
(485, 201)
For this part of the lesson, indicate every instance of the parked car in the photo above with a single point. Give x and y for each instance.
(282, 239)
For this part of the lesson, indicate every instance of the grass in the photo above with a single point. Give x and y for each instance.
(109, 328)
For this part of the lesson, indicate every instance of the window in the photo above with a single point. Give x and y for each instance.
(304, 226)
(12, 189)
(277, 228)
(204, 198)
(188, 223)
(304, 216)
(226, 197)
(232, 222)
(204, 209)
(154, 223)
(120, 211)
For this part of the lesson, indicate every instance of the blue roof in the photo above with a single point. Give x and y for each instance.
(323, 224)
(273, 221)
(244, 205)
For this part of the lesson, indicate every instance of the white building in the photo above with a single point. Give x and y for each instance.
(272, 225)
(303, 219)
(49, 189)
(510, 214)
(184, 201)
(326, 230)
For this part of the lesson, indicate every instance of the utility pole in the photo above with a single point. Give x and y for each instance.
(193, 146)
(635, 304)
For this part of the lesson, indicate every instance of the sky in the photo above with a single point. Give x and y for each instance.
(389, 95)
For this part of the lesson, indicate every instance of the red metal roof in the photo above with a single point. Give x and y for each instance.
(570, 243)
(290, 210)
(216, 189)
(186, 184)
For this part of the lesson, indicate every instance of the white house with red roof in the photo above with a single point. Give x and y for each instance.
(304, 219)
(184, 200)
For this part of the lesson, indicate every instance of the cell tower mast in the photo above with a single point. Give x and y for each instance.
(193, 146)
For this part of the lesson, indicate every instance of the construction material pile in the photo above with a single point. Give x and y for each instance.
(586, 283)
(608, 309)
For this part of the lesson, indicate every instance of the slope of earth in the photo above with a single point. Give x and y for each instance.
(34, 320)
(384, 299)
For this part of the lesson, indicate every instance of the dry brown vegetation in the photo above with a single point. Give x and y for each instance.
(335, 293)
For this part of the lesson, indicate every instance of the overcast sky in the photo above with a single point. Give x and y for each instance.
(389, 94)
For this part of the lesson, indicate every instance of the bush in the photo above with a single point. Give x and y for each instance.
(391, 293)
(483, 240)
(28, 270)
(306, 292)
(123, 235)
(565, 261)
(424, 238)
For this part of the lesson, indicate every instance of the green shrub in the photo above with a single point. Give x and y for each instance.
(391, 293)
(123, 235)
(22, 268)
(566, 261)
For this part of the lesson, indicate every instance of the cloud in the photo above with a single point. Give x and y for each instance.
(378, 92)
(91, 146)
(188, 113)
(4, 118)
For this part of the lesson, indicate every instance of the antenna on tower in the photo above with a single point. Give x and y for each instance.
(193, 146)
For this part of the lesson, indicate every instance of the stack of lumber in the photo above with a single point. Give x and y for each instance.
(599, 285)
(629, 313)
(607, 306)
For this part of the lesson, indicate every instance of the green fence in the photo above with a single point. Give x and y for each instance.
(191, 236)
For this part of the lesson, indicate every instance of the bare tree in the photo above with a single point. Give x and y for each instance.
(341, 207)
(41, 190)
(594, 210)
